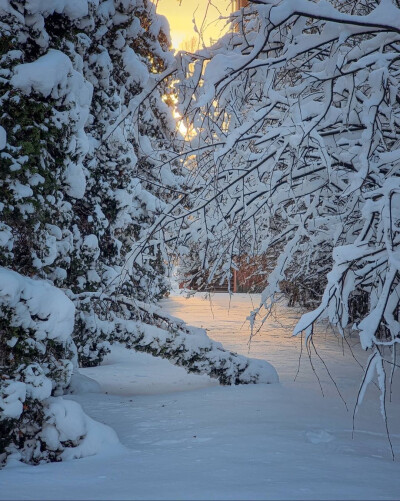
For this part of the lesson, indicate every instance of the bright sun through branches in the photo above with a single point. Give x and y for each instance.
(206, 13)
(170, 98)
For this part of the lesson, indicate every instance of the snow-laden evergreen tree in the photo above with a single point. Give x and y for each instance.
(84, 137)
(124, 190)
(296, 114)
(45, 105)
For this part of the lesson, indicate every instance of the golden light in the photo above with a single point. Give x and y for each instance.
(183, 16)
(185, 131)
(181, 13)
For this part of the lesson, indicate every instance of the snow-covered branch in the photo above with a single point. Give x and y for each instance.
(296, 156)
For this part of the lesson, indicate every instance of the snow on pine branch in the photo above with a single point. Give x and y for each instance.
(147, 328)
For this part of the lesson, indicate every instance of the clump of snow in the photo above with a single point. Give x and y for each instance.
(37, 305)
(53, 75)
(21, 190)
(74, 9)
(38, 386)
(259, 371)
(47, 75)
(12, 397)
(91, 242)
(90, 246)
(136, 69)
(67, 423)
(6, 236)
(3, 138)
(75, 181)
(319, 437)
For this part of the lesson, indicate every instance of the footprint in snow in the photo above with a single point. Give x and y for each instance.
(319, 437)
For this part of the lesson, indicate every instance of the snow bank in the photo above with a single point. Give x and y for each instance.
(82, 384)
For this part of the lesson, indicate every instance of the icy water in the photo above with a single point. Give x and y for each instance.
(225, 319)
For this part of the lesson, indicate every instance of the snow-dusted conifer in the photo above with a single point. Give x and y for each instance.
(45, 102)
(124, 189)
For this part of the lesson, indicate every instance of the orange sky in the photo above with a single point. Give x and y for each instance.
(180, 14)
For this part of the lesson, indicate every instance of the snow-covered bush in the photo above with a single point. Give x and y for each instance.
(36, 351)
(147, 328)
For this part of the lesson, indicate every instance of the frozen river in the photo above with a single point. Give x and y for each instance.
(225, 319)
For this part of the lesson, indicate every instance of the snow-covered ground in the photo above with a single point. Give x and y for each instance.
(185, 437)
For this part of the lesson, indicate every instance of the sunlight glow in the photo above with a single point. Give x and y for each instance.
(181, 13)
(192, 24)
(181, 126)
